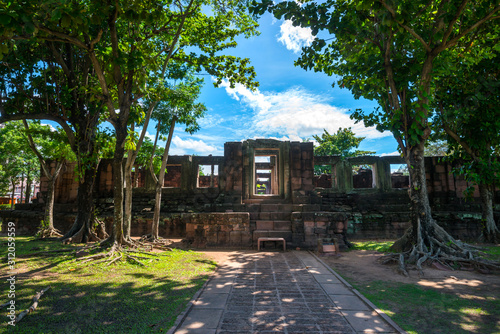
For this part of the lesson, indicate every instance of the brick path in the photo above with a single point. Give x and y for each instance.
(285, 292)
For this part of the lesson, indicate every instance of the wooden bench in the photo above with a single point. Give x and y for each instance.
(270, 239)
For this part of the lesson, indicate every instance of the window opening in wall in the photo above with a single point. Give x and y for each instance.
(172, 176)
(266, 173)
(363, 176)
(208, 176)
(324, 176)
(400, 177)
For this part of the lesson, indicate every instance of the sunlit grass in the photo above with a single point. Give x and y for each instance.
(121, 298)
(419, 309)
(379, 246)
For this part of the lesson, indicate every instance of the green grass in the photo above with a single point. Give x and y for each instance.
(422, 310)
(121, 298)
(380, 246)
(492, 252)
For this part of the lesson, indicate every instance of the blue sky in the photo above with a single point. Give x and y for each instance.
(290, 104)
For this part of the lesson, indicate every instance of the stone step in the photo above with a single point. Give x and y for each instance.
(269, 200)
(287, 235)
(276, 207)
(275, 215)
(273, 225)
(306, 207)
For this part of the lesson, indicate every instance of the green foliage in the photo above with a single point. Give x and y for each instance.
(343, 143)
(467, 108)
(16, 158)
(436, 148)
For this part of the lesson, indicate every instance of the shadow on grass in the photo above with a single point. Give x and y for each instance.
(98, 299)
(105, 307)
(424, 310)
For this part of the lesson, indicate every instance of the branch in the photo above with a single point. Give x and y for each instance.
(33, 307)
(455, 40)
(60, 60)
(41, 116)
(35, 150)
(404, 26)
(454, 20)
(459, 140)
(64, 37)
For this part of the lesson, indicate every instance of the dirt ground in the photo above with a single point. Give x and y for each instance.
(362, 266)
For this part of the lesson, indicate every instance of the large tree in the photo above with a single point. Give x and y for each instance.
(389, 51)
(129, 45)
(180, 108)
(52, 80)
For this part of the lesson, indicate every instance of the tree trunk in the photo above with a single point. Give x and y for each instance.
(156, 215)
(80, 231)
(49, 201)
(117, 236)
(13, 195)
(159, 184)
(490, 232)
(424, 234)
(27, 195)
(127, 212)
(22, 188)
(49, 204)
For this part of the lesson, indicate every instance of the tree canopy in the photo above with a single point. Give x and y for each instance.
(344, 143)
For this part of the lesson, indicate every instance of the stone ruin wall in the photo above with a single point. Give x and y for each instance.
(224, 210)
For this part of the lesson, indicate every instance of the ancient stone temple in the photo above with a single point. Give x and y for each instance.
(273, 189)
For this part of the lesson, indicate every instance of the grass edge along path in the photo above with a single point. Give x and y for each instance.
(422, 310)
(94, 298)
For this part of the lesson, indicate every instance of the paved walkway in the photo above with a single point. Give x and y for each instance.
(285, 292)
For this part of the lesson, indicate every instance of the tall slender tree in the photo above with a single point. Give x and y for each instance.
(50, 147)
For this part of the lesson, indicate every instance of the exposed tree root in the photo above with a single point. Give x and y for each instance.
(48, 232)
(436, 246)
(33, 307)
(158, 243)
(118, 252)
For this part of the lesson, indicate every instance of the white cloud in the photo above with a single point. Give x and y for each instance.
(210, 121)
(395, 153)
(151, 136)
(294, 38)
(189, 146)
(295, 113)
(52, 128)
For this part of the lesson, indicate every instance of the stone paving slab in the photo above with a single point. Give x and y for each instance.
(280, 292)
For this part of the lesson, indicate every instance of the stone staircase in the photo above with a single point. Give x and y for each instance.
(271, 220)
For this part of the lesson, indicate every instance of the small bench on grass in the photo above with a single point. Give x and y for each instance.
(270, 239)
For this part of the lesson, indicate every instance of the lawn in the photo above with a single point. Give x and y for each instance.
(440, 302)
(94, 298)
